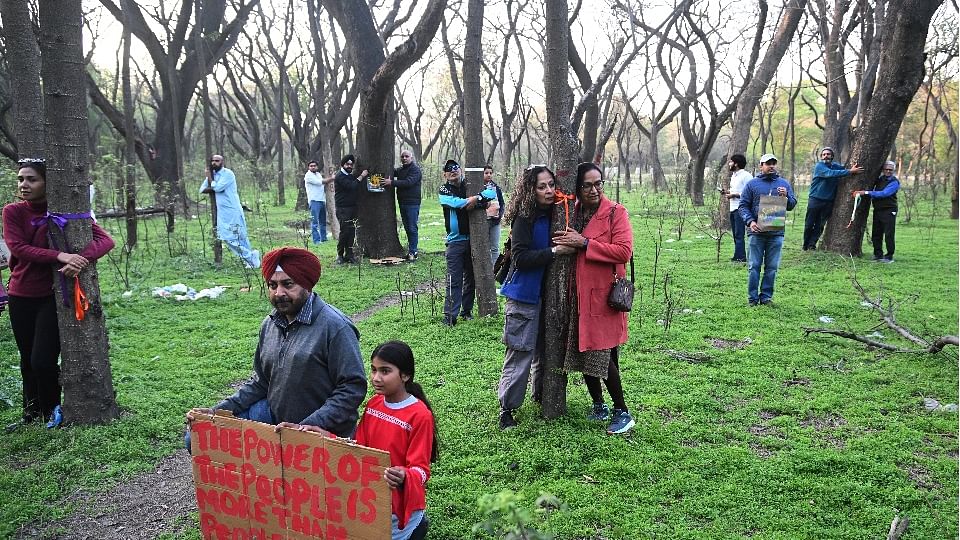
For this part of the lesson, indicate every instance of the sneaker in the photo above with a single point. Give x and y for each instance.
(600, 413)
(766, 302)
(56, 418)
(752, 303)
(877, 259)
(621, 422)
(450, 321)
(886, 260)
(340, 260)
(411, 257)
(738, 260)
(467, 316)
(507, 421)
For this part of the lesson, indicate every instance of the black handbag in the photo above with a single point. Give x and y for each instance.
(621, 293)
(502, 267)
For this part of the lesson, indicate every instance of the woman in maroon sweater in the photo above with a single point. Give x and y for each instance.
(33, 309)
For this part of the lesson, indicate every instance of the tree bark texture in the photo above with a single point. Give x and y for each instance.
(88, 394)
(130, 150)
(378, 74)
(766, 70)
(473, 140)
(565, 150)
(901, 73)
(23, 59)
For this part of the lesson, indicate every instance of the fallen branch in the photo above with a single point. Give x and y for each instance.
(934, 347)
(139, 212)
(897, 527)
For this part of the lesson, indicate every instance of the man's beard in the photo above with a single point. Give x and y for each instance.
(216, 168)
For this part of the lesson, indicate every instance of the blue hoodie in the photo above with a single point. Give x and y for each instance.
(750, 198)
(824, 184)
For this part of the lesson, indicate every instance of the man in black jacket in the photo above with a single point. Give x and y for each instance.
(347, 191)
(407, 180)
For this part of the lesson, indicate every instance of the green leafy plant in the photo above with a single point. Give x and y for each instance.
(506, 517)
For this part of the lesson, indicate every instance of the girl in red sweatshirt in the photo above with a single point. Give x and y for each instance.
(33, 309)
(399, 420)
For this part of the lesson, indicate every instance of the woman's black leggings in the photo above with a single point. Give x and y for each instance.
(614, 386)
(34, 323)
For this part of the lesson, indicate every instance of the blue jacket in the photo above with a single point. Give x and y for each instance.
(456, 217)
(824, 184)
(530, 254)
(750, 198)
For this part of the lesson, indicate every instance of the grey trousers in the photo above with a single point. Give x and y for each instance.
(521, 329)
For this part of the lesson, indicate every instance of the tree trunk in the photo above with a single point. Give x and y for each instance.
(378, 74)
(130, 152)
(208, 150)
(563, 143)
(88, 393)
(473, 140)
(23, 61)
(750, 97)
(902, 58)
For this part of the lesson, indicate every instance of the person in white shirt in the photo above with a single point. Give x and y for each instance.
(315, 183)
(738, 180)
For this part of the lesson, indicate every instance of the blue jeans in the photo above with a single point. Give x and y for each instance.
(738, 228)
(765, 250)
(460, 284)
(410, 215)
(258, 412)
(494, 240)
(318, 221)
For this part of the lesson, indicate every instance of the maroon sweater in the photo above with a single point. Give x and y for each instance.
(31, 260)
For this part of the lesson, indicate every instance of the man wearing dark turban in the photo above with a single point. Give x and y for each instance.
(307, 368)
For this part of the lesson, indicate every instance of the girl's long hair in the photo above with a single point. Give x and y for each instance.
(524, 199)
(400, 355)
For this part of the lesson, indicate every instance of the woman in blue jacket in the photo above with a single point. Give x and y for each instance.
(530, 211)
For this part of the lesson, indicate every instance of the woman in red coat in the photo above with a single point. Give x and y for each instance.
(33, 310)
(600, 230)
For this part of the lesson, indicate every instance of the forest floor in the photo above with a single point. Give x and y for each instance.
(745, 426)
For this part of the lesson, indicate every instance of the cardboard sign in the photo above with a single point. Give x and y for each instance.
(773, 213)
(254, 483)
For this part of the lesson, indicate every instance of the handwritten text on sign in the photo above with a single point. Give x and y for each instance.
(255, 483)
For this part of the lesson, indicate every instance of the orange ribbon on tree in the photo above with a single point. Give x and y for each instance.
(80, 303)
(564, 199)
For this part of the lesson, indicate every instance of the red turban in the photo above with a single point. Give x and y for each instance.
(302, 266)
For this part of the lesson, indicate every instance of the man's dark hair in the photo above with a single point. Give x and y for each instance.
(346, 158)
(312, 162)
(488, 166)
(740, 160)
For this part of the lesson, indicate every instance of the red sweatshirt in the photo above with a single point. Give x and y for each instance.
(407, 433)
(31, 260)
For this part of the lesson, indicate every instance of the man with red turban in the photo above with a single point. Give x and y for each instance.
(307, 368)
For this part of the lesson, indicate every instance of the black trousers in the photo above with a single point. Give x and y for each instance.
(348, 232)
(34, 324)
(614, 385)
(818, 212)
(884, 228)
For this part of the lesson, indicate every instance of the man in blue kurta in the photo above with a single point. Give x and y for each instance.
(823, 190)
(231, 225)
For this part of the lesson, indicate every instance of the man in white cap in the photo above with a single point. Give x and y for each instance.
(823, 190)
(765, 246)
(884, 197)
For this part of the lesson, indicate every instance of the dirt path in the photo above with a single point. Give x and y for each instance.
(152, 503)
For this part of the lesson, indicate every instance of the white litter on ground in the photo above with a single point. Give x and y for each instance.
(187, 293)
(825, 320)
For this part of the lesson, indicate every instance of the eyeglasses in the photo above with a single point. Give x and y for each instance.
(888, 170)
(589, 186)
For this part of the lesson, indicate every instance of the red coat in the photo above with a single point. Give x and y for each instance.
(600, 326)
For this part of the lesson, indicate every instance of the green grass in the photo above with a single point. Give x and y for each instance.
(788, 437)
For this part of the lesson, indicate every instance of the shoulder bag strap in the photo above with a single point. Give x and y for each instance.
(614, 209)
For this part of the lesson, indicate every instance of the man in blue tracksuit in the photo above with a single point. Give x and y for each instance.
(884, 197)
(456, 205)
(823, 190)
(765, 246)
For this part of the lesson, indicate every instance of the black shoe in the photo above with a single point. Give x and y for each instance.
(752, 303)
(448, 321)
(467, 316)
(507, 421)
(737, 260)
(340, 260)
(766, 302)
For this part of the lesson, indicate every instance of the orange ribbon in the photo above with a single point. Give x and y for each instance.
(80, 303)
(564, 199)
